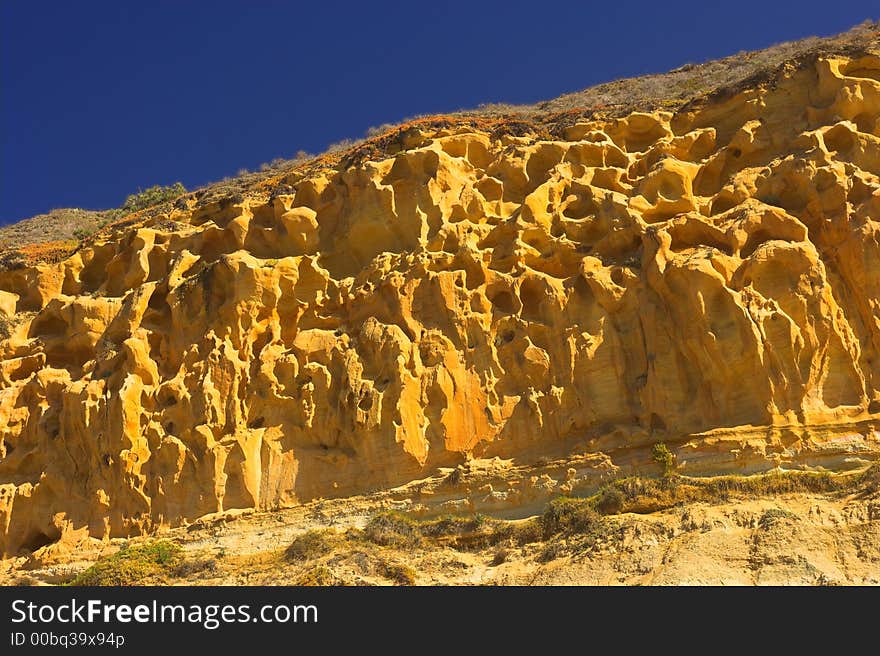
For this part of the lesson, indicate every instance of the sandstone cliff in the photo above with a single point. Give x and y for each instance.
(709, 279)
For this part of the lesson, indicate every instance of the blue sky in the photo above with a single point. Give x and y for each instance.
(98, 99)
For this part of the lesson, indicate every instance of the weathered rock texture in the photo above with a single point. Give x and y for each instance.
(710, 279)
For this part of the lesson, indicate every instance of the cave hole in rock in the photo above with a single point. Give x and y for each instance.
(865, 122)
(38, 539)
(531, 296)
(695, 234)
(755, 240)
(721, 204)
(95, 270)
(503, 301)
(866, 68)
(48, 325)
(839, 139)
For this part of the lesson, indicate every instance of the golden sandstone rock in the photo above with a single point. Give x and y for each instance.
(709, 279)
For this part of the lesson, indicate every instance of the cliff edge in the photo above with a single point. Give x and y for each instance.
(459, 290)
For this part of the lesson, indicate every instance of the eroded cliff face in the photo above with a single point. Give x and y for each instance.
(709, 279)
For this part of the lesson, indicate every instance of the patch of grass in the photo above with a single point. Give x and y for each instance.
(501, 555)
(190, 567)
(551, 551)
(870, 479)
(471, 533)
(56, 225)
(452, 525)
(564, 516)
(317, 577)
(567, 525)
(74, 224)
(151, 196)
(12, 259)
(527, 532)
(568, 515)
(773, 516)
(647, 495)
(398, 572)
(393, 529)
(463, 533)
(311, 545)
(132, 564)
(519, 533)
(777, 483)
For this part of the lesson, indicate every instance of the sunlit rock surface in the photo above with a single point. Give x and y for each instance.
(709, 279)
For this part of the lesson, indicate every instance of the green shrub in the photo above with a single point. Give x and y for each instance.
(551, 551)
(575, 520)
(152, 196)
(527, 532)
(452, 525)
(663, 457)
(132, 565)
(520, 533)
(610, 500)
(569, 516)
(773, 516)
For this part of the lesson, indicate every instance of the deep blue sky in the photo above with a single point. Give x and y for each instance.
(100, 98)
